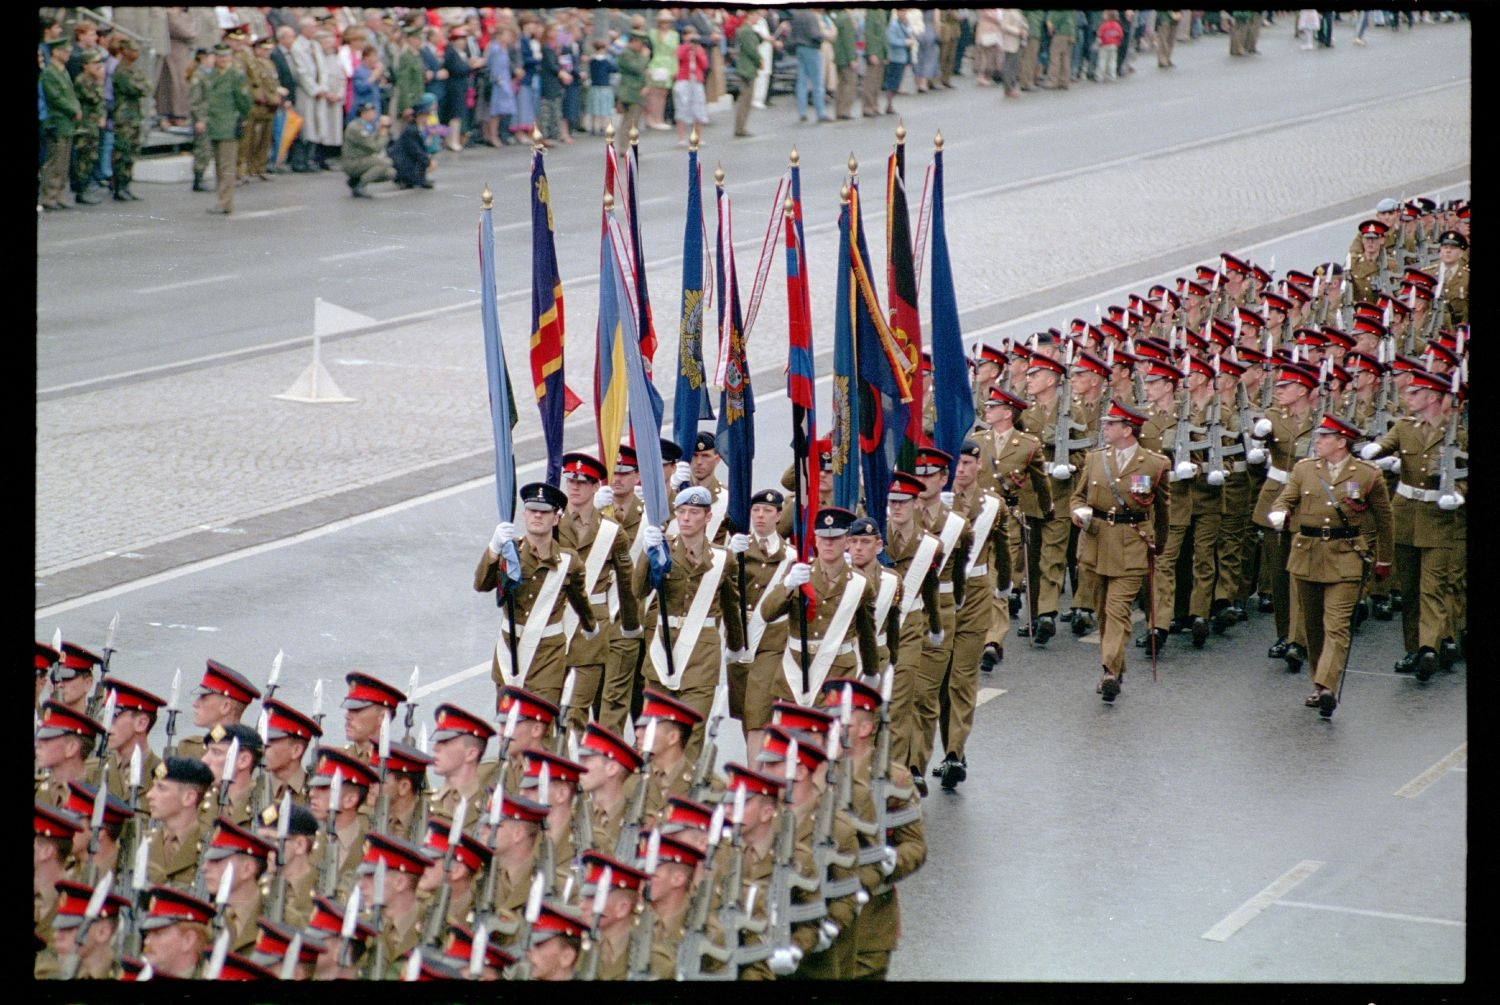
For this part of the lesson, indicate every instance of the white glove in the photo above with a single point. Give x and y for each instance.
(1370, 451)
(1062, 471)
(784, 960)
(742, 655)
(798, 575)
(652, 535)
(1451, 501)
(947, 498)
(640, 493)
(739, 544)
(1084, 514)
(1257, 453)
(1391, 463)
(1215, 478)
(935, 639)
(1261, 429)
(827, 932)
(504, 534)
(1277, 518)
(603, 497)
(588, 636)
(888, 861)
(861, 897)
(632, 633)
(1184, 471)
(682, 476)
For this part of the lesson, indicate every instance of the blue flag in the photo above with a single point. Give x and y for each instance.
(553, 397)
(691, 402)
(952, 397)
(844, 434)
(502, 399)
(736, 434)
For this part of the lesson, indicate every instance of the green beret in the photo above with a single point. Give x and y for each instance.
(222, 49)
(92, 56)
(58, 43)
(126, 42)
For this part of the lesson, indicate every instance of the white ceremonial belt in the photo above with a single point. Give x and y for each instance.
(1416, 494)
(813, 645)
(1239, 468)
(556, 628)
(978, 570)
(1275, 474)
(676, 622)
(946, 586)
(599, 598)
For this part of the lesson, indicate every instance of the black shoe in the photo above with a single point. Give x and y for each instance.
(121, 197)
(1044, 630)
(1326, 704)
(1200, 633)
(424, 183)
(1447, 654)
(1427, 664)
(1238, 611)
(1382, 608)
(1066, 617)
(198, 185)
(1407, 663)
(1083, 622)
(360, 193)
(1295, 657)
(1023, 631)
(1109, 688)
(951, 771)
(1266, 604)
(1180, 625)
(1396, 600)
(1361, 613)
(991, 657)
(919, 783)
(1159, 634)
(129, 194)
(1014, 603)
(1277, 650)
(1219, 623)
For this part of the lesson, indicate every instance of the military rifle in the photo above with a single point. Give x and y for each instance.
(784, 874)
(383, 754)
(638, 950)
(91, 708)
(695, 942)
(702, 767)
(630, 830)
(1449, 473)
(436, 921)
(276, 911)
(588, 961)
(375, 962)
(328, 869)
(1063, 443)
(170, 750)
(71, 962)
(130, 942)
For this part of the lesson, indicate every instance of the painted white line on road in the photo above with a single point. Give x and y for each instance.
(450, 680)
(200, 281)
(92, 239)
(1246, 912)
(1392, 915)
(988, 694)
(260, 214)
(362, 253)
(308, 535)
(1418, 785)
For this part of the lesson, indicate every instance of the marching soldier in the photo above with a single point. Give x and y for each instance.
(81, 798)
(1124, 486)
(339, 958)
(514, 843)
(1332, 499)
(97, 957)
(670, 773)
(1159, 436)
(1431, 528)
(288, 735)
(177, 937)
(51, 847)
(406, 777)
(368, 701)
(698, 594)
(220, 699)
(460, 950)
(532, 651)
(1049, 534)
(767, 557)
(46, 659)
(470, 858)
(617, 920)
(608, 763)
(64, 741)
(604, 550)
(668, 891)
(621, 668)
(75, 677)
(534, 718)
(231, 799)
(236, 847)
(556, 939)
(1088, 377)
(136, 710)
(299, 870)
(1206, 507)
(1231, 547)
(1012, 459)
(1452, 273)
(350, 825)
(272, 945)
(562, 826)
(915, 555)
(401, 913)
(458, 747)
(864, 551)
(173, 802)
(1368, 263)
(825, 489)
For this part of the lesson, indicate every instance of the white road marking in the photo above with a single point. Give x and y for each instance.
(200, 281)
(93, 239)
(450, 680)
(988, 694)
(1418, 785)
(1246, 912)
(362, 253)
(258, 214)
(1373, 914)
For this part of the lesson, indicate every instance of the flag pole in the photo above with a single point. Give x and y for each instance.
(488, 200)
(799, 458)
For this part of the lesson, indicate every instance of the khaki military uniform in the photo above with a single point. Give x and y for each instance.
(879, 926)
(1455, 286)
(587, 657)
(829, 591)
(936, 660)
(173, 860)
(750, 686)
(971, 623)
(240, 921)
(256, 141)
(443, 802)
(887, 611)
(1049, 535)
(1328, 507)
(1290, 439)
(837, 961)
(923, 615)
(1013, 463)
(621, 677)
(544, 674)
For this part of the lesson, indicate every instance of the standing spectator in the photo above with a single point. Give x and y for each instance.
(525, 61)
(901, 47)
(633, 63)
(1166, 35)
(261, 81)
(924, 29)
(434, 74)
(1107, 46)
(1361, 23)
(664, 41)
(768, 49)
(549, 112)
(570, 62)
(1324, 36)
(601, 90)
(369, 74)
(987, 37)
(1014, 34)
(829, 32)
(1083, 43)
(1036, 23)
(286, 81)
(409, 155)
(307, 68)
(806, 40)
(845, 63)
(172, 85)
(456, 87)
(130, 91)
(85, 40)
(109, 48)
(411, 73)
(747, 49)
(1063, 25)
(63, 117)
(228, 104)
(950, 27)
(328, 113)
(502, 94)
(873, 31)
(364, 142)
(689, 95)
(1308, 22)
(90, 90)
(967, 19)
(199, 75)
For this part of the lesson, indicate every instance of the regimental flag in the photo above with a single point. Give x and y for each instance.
(885, 373)
(553, 397)
(616, 316)
(691, 402)
(638, 261)
(736, 433)
(502, 399)
(799, 373)
(901, 294)
(608, 452)
(951, 393)
(844, 436)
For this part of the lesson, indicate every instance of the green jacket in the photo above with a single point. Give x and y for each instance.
(746, 52)
(228, 104)
(1064, 23)
(198, 93)
(90, 94)
(1036, 21)
(130, 89)
(63, 112)
(632, 76)
(876, 21)
(844, 51)
(411, 80)
(362, 150)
